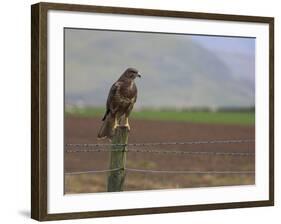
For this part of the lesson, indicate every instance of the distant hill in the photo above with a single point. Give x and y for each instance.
(176, 71)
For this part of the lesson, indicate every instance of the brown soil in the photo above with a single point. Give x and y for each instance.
(84, 130)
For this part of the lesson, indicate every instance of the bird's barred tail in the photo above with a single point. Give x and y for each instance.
(107, 128)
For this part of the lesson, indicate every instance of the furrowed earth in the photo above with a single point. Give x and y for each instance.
(84, 130)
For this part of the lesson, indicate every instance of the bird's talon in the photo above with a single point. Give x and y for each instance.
(128, 127)
(116, 126)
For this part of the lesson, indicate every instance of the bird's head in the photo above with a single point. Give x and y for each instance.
(131, 73)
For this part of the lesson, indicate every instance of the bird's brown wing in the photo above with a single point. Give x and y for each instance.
(107, 128)
(130, 107)
(133, 98)
(111, 105)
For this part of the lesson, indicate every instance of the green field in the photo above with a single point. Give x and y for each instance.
(241, 118)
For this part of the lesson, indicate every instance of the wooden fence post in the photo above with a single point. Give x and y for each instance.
(116, 178)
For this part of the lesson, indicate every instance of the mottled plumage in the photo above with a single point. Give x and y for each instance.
(120, 102)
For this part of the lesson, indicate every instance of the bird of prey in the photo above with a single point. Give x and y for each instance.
(120, 102)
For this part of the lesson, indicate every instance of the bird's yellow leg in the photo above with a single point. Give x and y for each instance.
(127, 123)
(115, 123)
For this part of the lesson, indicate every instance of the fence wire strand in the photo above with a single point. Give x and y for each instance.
(163, 171)
(92, 171)
(193, 152)
(164, 152)
(165, 143)
(189, 172)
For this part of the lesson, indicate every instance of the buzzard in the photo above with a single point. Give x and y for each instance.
(120, 102)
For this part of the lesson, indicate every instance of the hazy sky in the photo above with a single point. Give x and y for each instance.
(227, 44)
(177, 70)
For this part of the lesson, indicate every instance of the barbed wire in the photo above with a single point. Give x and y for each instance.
(164, 143)
(92, 171)
(162, 171)
(165, 152)
(193, 152)
(189, 172)
(94, 150)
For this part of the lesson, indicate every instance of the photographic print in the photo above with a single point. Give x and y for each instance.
(183, 105)
(141, 111)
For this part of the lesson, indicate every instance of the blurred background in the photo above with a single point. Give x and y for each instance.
(193, 87)
(179, 71)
